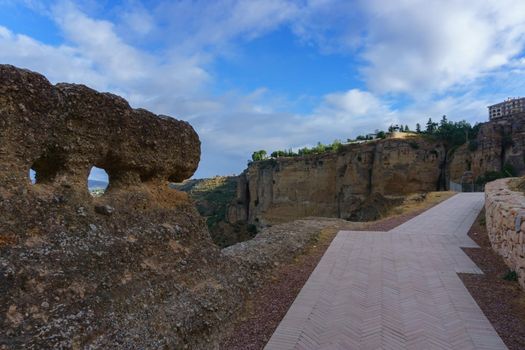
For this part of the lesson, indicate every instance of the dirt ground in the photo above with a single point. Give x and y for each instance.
(502, 301)
(263, 314)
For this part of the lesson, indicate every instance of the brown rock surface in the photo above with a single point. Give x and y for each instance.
(147, 276)
(337, 184)
(499, 142)
(62, 131)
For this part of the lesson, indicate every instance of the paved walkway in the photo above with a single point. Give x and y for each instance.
(394, 290)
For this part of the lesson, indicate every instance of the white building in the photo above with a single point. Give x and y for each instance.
(507, 108)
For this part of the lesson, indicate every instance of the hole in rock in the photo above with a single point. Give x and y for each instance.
(98, 181)
(32, 176)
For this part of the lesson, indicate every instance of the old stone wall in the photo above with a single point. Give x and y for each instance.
(505, 216)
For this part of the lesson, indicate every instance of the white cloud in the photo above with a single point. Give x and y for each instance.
(421, 48)
(239, 127)
(212, 25)
(418, 47)
(57, 62)
(138, 21)
(427, 46)
(354, 102)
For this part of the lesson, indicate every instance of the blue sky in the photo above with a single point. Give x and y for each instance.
(276, 74)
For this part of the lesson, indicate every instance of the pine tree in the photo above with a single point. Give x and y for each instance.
(444, 120)
(431, 126)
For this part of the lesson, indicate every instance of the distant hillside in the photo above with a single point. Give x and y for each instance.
(95, 184)
(213, 197)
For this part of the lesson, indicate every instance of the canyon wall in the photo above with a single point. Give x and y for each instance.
(336, 184)
(499, 143)
(364, 175)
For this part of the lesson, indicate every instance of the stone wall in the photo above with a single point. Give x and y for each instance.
(505, 213)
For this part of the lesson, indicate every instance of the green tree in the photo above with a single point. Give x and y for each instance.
(336, 145)
(444, 120)
(418, 128)
(259, 155)
(431, 126)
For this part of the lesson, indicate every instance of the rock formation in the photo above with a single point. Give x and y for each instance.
(62, 131)
(368, 175)
(132, 269)
(499, 142)
(337, 184)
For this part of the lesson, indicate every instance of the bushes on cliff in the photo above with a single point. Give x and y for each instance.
(453, 133)
(507, 171)
(317, 149)
(259, 155)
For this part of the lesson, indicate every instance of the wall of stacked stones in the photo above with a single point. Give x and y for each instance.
(505, 214)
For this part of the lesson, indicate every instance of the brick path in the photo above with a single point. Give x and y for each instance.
(394, 290)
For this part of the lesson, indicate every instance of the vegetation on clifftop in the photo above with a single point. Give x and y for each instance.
(454, 134)
(212, 198)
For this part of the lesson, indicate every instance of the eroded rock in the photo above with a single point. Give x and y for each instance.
(148, 276)
(62, 130)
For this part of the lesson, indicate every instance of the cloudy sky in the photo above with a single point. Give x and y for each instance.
(277, 74)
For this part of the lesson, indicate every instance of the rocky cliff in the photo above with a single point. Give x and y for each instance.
(337, 184)
(359, 178)
(499, 143)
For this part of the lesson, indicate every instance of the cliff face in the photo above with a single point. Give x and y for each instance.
(499, 143)
(336, 184)
(339, 184)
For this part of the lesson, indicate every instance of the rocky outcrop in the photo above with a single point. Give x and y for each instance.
(498, 143)
(505, 213)
(62, 131)
(132, 269)
(337, 184)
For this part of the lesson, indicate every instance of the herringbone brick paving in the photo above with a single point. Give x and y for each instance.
(394, 290)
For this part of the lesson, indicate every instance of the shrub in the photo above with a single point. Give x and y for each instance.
(259, 155)
(507, 171)
(511, 276)
(251, 228)
(414, 144)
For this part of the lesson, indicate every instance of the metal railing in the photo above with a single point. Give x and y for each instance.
(465, 187)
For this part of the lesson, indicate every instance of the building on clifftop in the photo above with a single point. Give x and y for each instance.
(507, 108)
